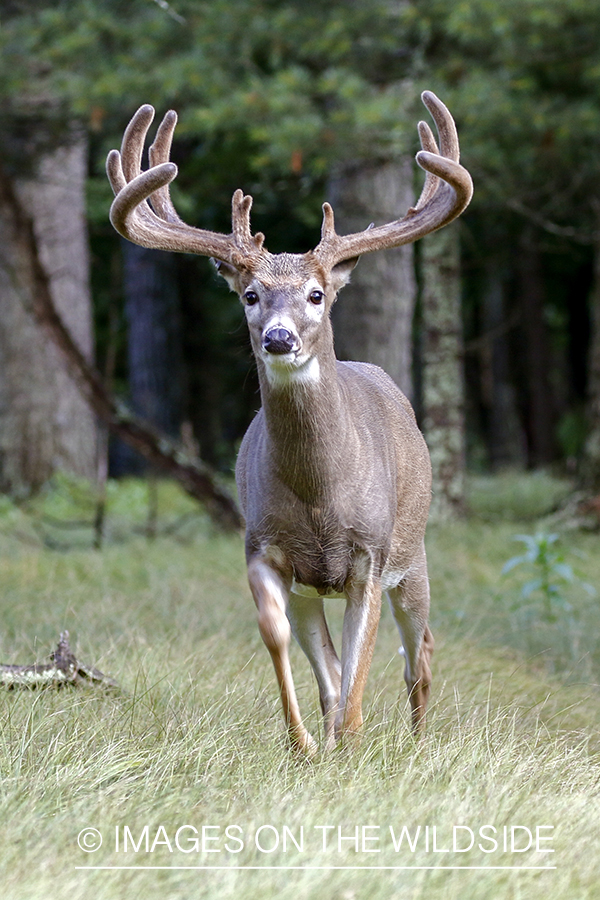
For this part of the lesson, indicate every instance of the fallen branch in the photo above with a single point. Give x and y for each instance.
(194, 475)
(62, 669)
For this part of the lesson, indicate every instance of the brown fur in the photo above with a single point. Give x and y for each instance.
(334, 481)
(333, 473)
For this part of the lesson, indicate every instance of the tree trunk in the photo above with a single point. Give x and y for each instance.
(45, 423)
(195, 477)
(154, 343)
(540, 411)
(591, 461)
(443, 380)
(372, 319)
(154, 336)
(505, 437)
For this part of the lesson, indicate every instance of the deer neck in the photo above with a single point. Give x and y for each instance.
(306, 426)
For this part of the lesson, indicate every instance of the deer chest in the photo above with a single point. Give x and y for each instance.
(319, 548)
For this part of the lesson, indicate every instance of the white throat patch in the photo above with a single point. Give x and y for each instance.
(283, 373)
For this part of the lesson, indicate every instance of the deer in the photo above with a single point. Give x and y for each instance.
(333, 473)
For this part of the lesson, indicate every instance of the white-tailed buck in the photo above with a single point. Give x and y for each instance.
(333, 474)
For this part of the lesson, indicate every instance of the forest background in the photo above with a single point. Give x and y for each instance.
(492, 326)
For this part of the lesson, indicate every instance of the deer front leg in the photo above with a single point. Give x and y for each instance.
(359, 633)
(270, 590)
(307, 618)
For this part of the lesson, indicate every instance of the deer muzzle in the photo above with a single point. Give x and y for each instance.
(279, 340)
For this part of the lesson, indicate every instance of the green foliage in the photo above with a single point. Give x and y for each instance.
(274, 94)
(544, 594)
(552, 606)
(467, 564)
(297, 87)
(298, 80)
(281, 91)
(524, 82)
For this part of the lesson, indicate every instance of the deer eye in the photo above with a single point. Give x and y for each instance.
(316, 297)
(251, 297)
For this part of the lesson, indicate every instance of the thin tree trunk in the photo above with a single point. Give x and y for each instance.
(506, 441)
(540, 414)
(591, 461)
(154, 336)
(45, 423)
(372, 319)
(154, 344)
(443, 380)
(103, 430)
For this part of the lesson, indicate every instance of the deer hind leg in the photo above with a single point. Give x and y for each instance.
(410, 608)
(307, 618)
(361, 620)
(270, 590)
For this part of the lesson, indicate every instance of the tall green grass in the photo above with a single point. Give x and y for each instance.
(194, 736)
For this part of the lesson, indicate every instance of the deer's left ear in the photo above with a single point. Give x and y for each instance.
(228, 272)
(340, 274)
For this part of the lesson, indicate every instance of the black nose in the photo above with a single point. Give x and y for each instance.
(279, 340)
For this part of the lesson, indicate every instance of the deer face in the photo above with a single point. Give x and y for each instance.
(287, 299)
(287, 296)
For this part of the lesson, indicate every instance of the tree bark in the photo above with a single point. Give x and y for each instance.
(372, 319)
(443, 380)
(195, 477)
(45, 423)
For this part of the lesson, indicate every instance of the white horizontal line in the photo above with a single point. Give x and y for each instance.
(323, 868)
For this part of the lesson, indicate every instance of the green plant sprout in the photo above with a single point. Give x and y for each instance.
(545, 560)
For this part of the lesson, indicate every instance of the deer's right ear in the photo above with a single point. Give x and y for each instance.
(340, 274)
(228, 272)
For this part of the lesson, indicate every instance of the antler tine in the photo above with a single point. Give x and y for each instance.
(132, 145)
(329, 242)
(114, 170)
(241, 204)
(158, 153)
(428, 143)
(130, 212)
(328, 226)
(445, 125)
(446, 193)
(160, 227)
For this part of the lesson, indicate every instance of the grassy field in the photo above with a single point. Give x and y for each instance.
(192, 744)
